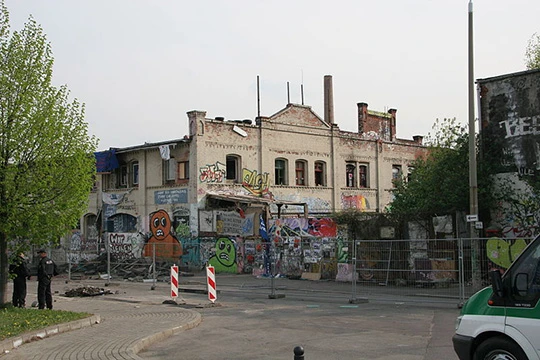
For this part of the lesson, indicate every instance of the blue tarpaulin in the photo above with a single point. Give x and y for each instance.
(106, 161)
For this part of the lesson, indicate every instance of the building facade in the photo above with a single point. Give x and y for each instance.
(226, 178)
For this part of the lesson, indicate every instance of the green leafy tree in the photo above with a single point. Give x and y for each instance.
(46, 155)
(439, 183)
(532, 53)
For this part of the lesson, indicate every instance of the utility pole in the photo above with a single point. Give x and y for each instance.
(473, 181)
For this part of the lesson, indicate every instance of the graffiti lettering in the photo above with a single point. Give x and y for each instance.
(529, 125)
(213, 173)
(121, 246)
(256, 184)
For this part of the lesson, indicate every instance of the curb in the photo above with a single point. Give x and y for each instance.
(12, 343)
(162, 335)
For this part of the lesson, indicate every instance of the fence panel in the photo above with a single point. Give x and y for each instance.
(436, 270)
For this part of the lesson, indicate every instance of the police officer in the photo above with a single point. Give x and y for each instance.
(46, 270)
(19, 269)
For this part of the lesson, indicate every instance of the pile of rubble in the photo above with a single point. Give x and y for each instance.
(141, 268)
(86, 291)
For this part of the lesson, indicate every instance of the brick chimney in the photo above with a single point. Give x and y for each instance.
(393, 124)
(362, 116)
(328, 100)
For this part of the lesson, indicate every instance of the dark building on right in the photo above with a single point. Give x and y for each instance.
(509, 112)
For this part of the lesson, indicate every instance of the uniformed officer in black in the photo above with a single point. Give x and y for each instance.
(46, 270)
(19, 269)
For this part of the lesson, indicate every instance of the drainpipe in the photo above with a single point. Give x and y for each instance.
(378, 172)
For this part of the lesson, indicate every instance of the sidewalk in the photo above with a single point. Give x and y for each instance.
(130, 319)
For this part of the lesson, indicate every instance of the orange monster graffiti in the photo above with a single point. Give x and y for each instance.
(166, 244)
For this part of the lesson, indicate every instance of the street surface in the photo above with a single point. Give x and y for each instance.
(249, 325)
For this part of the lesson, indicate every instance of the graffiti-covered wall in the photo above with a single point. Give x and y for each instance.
(293, 245)
(510, 132)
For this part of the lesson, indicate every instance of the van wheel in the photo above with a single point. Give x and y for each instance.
(499, 348)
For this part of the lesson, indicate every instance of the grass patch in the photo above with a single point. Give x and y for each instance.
(15, 321)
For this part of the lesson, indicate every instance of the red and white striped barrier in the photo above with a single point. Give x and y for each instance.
(211, 280)
(174, 281)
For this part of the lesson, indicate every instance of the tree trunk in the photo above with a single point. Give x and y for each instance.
(3, 269)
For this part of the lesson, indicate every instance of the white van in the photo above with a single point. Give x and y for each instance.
(503, 321)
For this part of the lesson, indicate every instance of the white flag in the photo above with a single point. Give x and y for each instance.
(165, 152)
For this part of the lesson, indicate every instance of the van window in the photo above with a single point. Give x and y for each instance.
(523, 279)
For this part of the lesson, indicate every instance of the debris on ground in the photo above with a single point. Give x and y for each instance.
(86, 291)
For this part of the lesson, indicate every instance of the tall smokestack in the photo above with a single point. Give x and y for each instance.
(328, 100)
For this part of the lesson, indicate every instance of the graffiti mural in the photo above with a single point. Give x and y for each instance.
(181, 219)
(502, 252)
(213, 173)
(256, 184)
(166, 244)
(224, 259)
(191, 249)
(207, 249)
(523, 219)
(292, 245)
(354, 202)
(323, 227)
(81, 248)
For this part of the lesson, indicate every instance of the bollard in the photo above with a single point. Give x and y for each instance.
(174, 282)
(211, 282)
(298, 353)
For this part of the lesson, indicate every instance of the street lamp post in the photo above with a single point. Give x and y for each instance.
(473, 182)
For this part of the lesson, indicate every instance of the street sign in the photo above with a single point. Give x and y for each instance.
(472, 218)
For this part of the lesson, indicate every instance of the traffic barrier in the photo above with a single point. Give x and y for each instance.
(211, 280)
(174, 281)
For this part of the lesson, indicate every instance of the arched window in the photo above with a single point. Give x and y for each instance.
(350, 171)
(320, 173)
(363, 175)
(396, 174)
(280, 172)
(233, 168)
(300, 170)
(135, 173)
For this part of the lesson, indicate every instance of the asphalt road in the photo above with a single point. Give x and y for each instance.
(249, 325)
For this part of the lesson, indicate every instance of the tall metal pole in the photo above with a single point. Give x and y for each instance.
(473, 182)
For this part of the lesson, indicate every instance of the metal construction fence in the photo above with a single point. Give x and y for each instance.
(423, 269)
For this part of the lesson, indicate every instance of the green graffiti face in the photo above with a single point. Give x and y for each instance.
(225, 251)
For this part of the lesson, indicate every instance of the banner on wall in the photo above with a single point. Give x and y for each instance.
(112, 198)
(231, 223)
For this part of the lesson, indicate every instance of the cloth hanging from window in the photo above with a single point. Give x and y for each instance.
(165, 152)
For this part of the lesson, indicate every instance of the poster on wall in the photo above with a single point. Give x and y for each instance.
(206, 221)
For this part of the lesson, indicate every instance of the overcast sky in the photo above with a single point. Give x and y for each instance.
(140, 65)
